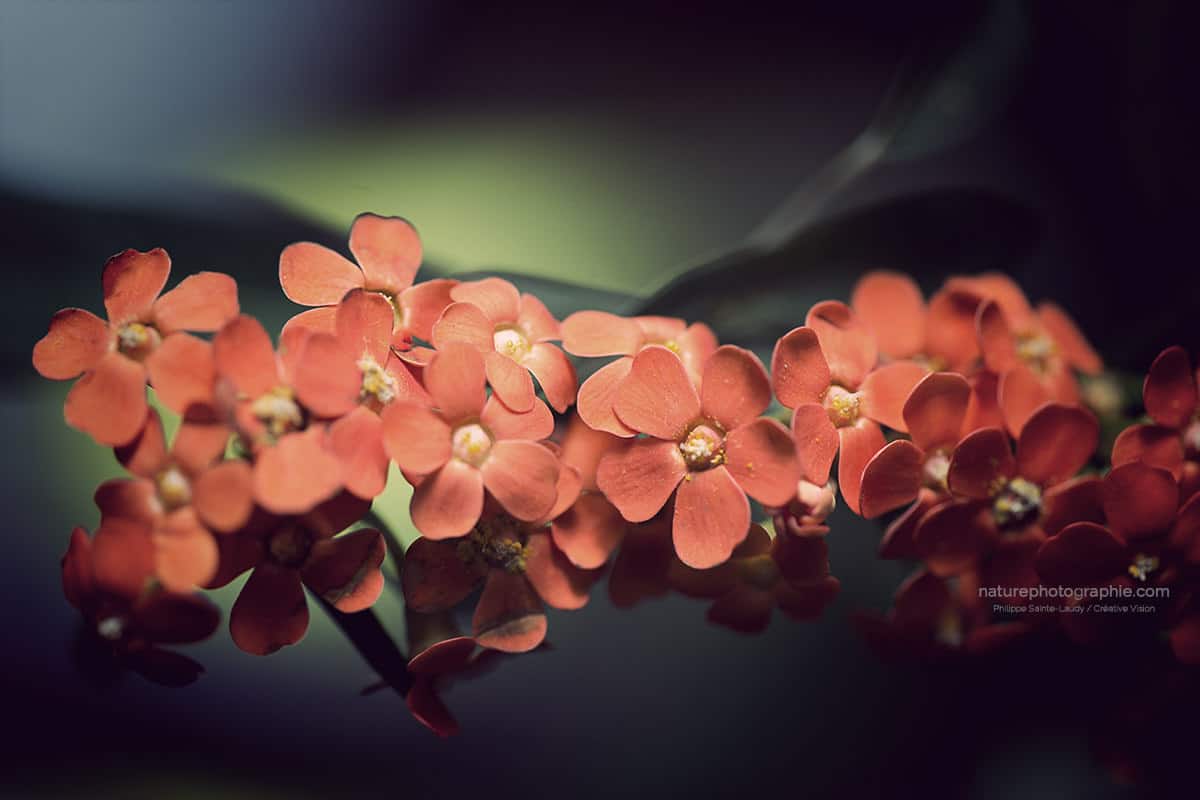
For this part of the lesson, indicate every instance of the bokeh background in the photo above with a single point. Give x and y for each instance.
(717, 161)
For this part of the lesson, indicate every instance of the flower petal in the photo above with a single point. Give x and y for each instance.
(1170, 388)
(953, 535)
(799, 372)
(598, 394)
(980, 459)
(131, 281)
(589, 531)
(1003, 290)
(886, 389)
(1074, 500)
(857, 445)
(422, 304)
(936, 408)
(200, 439)
(495, 297)
(816, 442)
(202, 302)
(1185, 641)
(761, 457)
(848, 345)
(537, 321)
(555, 374)
(892, 478)
(322, 319)
(503, 423)
(899, 539)
(344, 570)
(509, 616)
(415, 437)
(312, 275)
(557, 581)
(297, 473)
(1156, 445)
(510, 381)
(657, 397)
(185, 552)
(75, 343)
(950, 329)
(996, 338)
(77, 577)
(357, 441)
(146, 455)
(1056, 442)
(435, 577)
(1139, 500)
(598, 333)
(735, 388)
(566, 489)
(464, 322)
(129, 499)
(746, 609)
(582, 448)
(270, 612)
(182, 372)
(983, 409)
(122, 556)
(1019, 394)
(243, 355)
(363, 324)
(641, 476)
(109, 403)
(166, 618)
(223, 495)
(1069, 340)
(712, 517)
(891, 305)
(455, 379)
(522, 476)
(1082, 554)
(449, 501)
(388, 249)
(326, 377)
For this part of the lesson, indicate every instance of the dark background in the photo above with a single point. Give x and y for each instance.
(604, 151)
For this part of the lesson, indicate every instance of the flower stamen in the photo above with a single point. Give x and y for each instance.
(278, 410)
(842, 406)
(703, 447)
(511, 342)
(378, 387)
(471, 443)
(1142, 566)
(1016, 504)
(174, 489)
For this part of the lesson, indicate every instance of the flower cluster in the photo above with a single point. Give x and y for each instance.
(685, 465)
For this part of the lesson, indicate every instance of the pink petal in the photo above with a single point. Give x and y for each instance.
(128, 499)
(657, 397)
(589, 531)
(422, 304)
(297, 473)
(312, 275)
(735, 388)
(816, 442)
(1155, 445)
(146, 455)
(1074, 500)
(1056, 442)
(712, 517)
(1139, 500)
(566, 489)
(554, 372)
(1170, 388)
(435, 577)
(223, 495)
(885, 391)
(326, 377)
(109, 403)
(455, 379)
(243, 354)
(388, 249)
(858, 444)
(131, 281)
(950, 329)
(322, 319)
(76, 342)
(848, 345)
(953, 535)
(185, 552)
(464, 322)
(996, 338)
(537, 321)
(270, 612)
(202, 302)
(509, 616)
(799, 371)
(522, 476)
(1082, 554)
(582, 448)
(496, 297)
(1069, 340)
(448, 503)
(356, 440)
(122, 557)
(344, 570)
(761, 457)
(899, 538)
(557, 581)
(641, 476)
(415, 437)
(892, 478)
(182, 372)
(510, 381)
(1020, 394)
(598, 394)
(891, 305)
(981, 459)
(936, 408)
(77, 577)
(983, 409)
(363, 324)
(598, 333)
(503, 423)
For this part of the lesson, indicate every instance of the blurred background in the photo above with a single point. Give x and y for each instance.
(719, 162)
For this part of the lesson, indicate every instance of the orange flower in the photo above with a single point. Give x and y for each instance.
(1172, 401)
(590, 528)
(598, 334)
(513, 331)
(826, 373)
(290, 552)
(706, 449)
(108, 579)
(388, 252)
(294, 467)
(468, 442)
(141, 340)
(180, 496)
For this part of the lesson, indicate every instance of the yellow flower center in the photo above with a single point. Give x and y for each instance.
(510, 342)
(1142, 566)
(378, 387)
(278, 411)
(1036, 350)
(842, 406)
(703, 447)
(471, 443)
(1017, 504)
(137, 341)
(760, 571)
(937, 469)
(111, 628)
(174, 489)
(498, 542)
(1191, 436)
(949, 629)
(289, 546)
